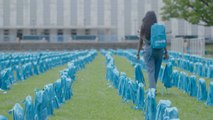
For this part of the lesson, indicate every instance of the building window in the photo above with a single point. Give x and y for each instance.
(46, 32)
(60, 32)
(6, 35)
(6, 32)
(19, 31)
(19, 34)
(74, 32)
(33, 32)
(87, 31)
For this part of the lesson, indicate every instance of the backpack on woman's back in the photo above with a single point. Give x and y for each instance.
(158, 36)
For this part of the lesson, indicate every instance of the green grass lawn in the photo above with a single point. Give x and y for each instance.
(209, 49)
(189, 108)
(21, 90)
(94, 100)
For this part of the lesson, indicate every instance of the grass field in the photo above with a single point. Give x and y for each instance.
(189, 108)
(209, 49)
(21, 90)
(93, 99)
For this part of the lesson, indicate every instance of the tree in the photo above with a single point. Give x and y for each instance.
(194, 11)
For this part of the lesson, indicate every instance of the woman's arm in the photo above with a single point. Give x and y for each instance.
(166, 54)
(141, 41)
(139, 47)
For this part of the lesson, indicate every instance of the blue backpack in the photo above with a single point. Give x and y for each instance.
(17, 112)
(158, 36)
(2, 117)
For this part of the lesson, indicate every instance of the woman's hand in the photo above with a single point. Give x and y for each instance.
(138, 56)
(166, 55)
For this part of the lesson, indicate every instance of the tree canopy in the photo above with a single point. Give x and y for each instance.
(194, 11)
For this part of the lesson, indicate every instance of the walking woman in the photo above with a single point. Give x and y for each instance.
(152, 57)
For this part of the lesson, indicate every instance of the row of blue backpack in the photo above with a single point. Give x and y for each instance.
(131, 90)
(53, 95)
(197, 68)
(23, 58)
(22, 72)
(192, 58)
(185, 83)
(128, 89)
(163, 111)
(194, 64)
(188, 84)
(191, 65)
(46, 100)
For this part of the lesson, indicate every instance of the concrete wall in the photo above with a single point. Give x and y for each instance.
(67, 46)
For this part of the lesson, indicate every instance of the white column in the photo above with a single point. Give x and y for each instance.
(1, 13)
(80, 14)
(12, 35)
(53, 13)
(26, 32)
(26, 13)
(13, 12)
(53, 35)
(67, 13)
(148, 6)
(160, 5)
(39, 31)
(40, 13)
(134, 17)
(94, 13)
(1, 35)
(107, 13)
(174, 27)
(141, 11)
(155, 7)
(67, 35)
(201, 31)
(120, 20)
(188, 28)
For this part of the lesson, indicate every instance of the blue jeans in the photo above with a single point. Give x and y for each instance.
(153, 59)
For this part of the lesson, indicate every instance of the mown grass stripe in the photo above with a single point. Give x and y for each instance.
(94, 100)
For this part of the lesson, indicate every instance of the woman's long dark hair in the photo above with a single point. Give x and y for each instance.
(149, 19)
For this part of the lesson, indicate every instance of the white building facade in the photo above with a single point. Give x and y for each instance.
(67, 20)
